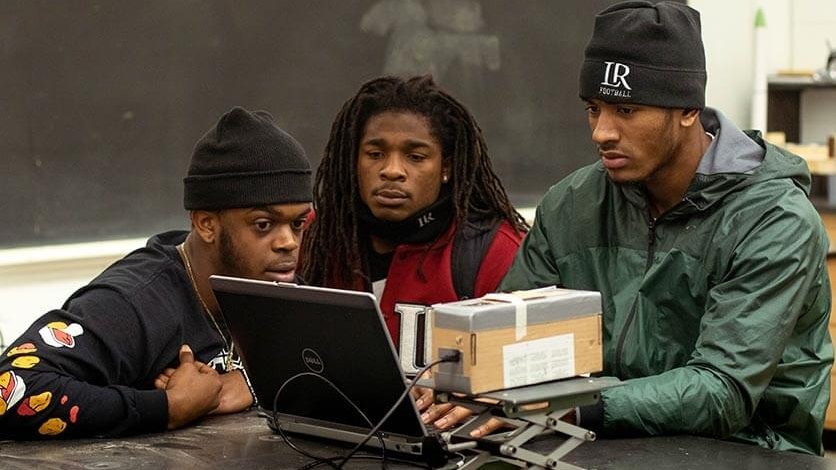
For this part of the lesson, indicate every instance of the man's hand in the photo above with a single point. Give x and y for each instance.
(161, 382)
(490, 426)
(441, 415)
(423, 397)
(235, 394)
(193, 389)
(494, 424)
(445, 415)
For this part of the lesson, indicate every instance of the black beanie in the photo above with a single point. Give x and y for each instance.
(648, 54)
(246, 161)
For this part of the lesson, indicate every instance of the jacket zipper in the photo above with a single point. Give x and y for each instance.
(651, 244)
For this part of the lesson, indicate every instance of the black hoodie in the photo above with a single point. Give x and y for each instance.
(88, 369)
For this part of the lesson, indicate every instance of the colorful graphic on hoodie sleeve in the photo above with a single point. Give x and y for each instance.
(24, 359)
(60, 335)
(26, 362)
(52, 427)
(12, 389)
(25, 348)
(34, 404)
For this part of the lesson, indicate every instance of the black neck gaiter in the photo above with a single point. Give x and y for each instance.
(422, 227)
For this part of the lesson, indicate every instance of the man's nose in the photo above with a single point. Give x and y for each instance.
(393, 168)
(604, 129)
(286, 239)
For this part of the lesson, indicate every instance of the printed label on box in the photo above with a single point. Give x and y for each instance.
(539, 360)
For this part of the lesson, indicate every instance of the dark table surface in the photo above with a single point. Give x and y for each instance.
(244, 441)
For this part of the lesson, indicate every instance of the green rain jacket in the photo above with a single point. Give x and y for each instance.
(715, 314)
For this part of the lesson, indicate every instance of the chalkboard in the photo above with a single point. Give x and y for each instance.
(102, 101)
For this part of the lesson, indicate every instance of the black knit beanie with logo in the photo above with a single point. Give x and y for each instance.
(644, 53)
(246, 161)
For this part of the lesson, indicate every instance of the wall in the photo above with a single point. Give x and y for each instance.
(35, 280)
(797, 30)
(103, 101)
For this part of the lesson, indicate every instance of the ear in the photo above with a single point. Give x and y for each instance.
(689, 117)
(206, 224)
(445, 172)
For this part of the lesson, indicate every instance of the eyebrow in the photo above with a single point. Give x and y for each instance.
(410, 143)
(276, 213)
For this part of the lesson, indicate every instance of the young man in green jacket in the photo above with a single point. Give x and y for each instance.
(708, 254)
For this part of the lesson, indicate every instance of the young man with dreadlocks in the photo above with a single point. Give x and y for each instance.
(408, 207)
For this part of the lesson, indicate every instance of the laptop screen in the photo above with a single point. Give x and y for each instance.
(292, 336)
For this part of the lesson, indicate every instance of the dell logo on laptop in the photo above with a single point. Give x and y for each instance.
(312, 360)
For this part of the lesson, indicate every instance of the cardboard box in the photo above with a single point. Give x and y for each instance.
(512, 340)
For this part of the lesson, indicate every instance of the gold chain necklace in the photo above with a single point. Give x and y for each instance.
(181, 248)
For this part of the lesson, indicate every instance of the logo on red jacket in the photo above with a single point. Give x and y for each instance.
(60, 335)
(12, 389)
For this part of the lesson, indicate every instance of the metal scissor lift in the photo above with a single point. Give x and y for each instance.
(535, 410)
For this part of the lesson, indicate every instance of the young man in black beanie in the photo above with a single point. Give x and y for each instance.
(708, 254)
(143, 348)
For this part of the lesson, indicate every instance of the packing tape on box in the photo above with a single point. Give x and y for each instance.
(521, 313)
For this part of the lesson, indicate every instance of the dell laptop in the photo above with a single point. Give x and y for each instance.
(309, 350)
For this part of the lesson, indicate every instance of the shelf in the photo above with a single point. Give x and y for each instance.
(783, 111)
(780, 82)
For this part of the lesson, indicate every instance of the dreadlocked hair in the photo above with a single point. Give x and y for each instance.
(335, 232)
